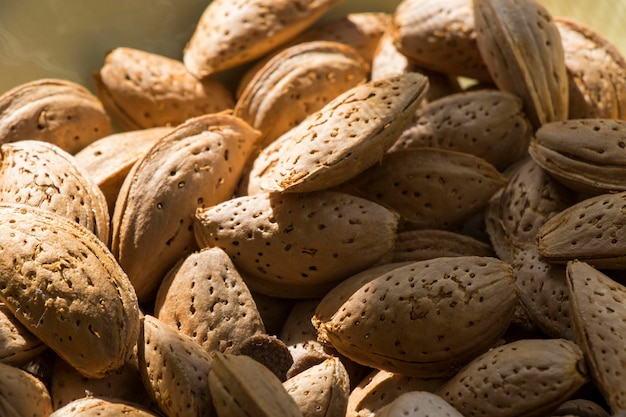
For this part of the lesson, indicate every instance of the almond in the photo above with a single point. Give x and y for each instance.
(418, 404)
(322, 390)
(429, 187)
(297, 245)
(142, 90)
(598, 306)
(174, 370)
(347, 136)
(423, 319)
(529, 377)
(591, 230)
(197, 165)
(17, 344)
(43, 175)
(580, 408)
(439, 35)
(420, 245)
(109, 159)
(64, 285)
(487, 123)
(241, 386)
(21, 394)
(586, 155)
(296, 82)
(101, 407)
(230, 33)
(521, 46)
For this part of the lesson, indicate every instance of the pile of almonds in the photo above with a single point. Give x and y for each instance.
(408, 214)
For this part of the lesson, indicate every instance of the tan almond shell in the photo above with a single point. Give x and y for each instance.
(522, 48)
(109, 159)
(439, 36)
(420, 245)
(587, 155)
(142, 90)
(297, 245)
(322, 390)
(65, 286)
(515, 378)
(296, 82)
(418, 404)
(528, 200)
(232, 32)
(67, 385)
(591, 230)
(43, 175)
(424, 319)
(597, 73)
(204, 297)
(580, 407)
(380, 388)
(174, 369)
(197, 165)
(348, 135)
(490, 124)
(22, 394)
(542, 291)
(17, 344)
(57, 111)
(101, 407)
(430, 188)
(598, 306)
(241, 386)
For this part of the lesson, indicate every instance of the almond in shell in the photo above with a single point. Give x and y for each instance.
(143, 90)
(418, 404)
(17, 344)
(423, 319)
(65, 286)
(420, 245)
(196, 165)
(57, 111)
(22, 394)
(298, 245)
(101, 407)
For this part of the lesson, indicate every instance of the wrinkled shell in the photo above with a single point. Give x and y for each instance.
(599, 315)
(347, 136)
(143, 90)
(109, 159)
(43, 175)
(596, 70)
(56, 111)
(296, 82)
(64, 285)
(297, 245)
(197, 165)
(241, 387)
(424, 319)
(420, 245)
(205, 298)
(522, 49)
(591, 230)
(174, 369)
(487, 123)
(429, 187)
(22, 394)
(587, 155)
(231, 32)
(17, 344)
(529, 377)
(101, 407)
(418, 404)
(439, 36)
(322, 390)
(380, 388)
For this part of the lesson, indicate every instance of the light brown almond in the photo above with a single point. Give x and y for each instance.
(17, 344)
(57, 111)
(418, 404)
(21, 394)
(64, 285)
(197, 165)
(101, 407)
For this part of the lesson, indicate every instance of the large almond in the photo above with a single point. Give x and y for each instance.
(345, 137)
(298, 245)
(65, 286)
(197, 165)
(423, 319)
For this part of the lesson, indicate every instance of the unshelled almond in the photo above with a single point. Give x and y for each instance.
(419, 245)
(17, 344)
(418, 404)
(101, 407)
(22, 394)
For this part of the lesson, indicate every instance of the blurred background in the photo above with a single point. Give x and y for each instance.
(69, 38)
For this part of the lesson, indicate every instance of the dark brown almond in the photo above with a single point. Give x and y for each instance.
(419, 245)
